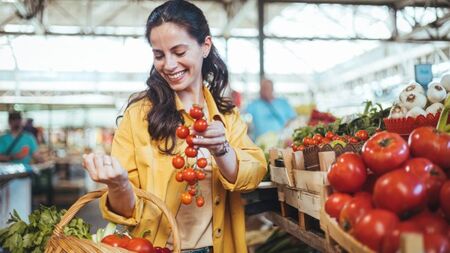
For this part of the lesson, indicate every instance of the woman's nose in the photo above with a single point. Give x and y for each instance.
(170, 63)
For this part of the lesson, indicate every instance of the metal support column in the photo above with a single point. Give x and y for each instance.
(261, 37)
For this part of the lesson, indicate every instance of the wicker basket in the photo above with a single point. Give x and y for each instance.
(311, 154)
(61, 243)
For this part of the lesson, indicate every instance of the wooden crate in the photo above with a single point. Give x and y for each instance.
(338, 239)
(281, 175)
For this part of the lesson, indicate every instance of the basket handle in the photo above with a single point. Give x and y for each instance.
(68, 216)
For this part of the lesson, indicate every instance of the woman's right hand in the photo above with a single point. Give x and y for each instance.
(105, 169)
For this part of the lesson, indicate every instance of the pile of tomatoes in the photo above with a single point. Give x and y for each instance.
(319, 140)
(394, 187)
(140, 245)
(188, 171)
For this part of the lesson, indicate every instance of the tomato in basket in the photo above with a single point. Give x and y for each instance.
(116, 240)
(140, 245)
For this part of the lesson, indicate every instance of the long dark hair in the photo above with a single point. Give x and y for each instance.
(163, 117)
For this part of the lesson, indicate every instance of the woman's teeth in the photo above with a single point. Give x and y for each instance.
(176, 75)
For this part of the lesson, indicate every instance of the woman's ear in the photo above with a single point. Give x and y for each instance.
(206, 47)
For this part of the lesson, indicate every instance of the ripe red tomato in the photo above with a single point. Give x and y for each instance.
(182, 131)
(329, 135)
(370, 183)
(178, 162)
(116, 240)
(196, 112)
(179, 176)
(353, 140)
(318, 138)
(429, 143)
(189, 175)
(192, 190)
(202, 162)
(354, 210)
(431, 175)
(362, 135)
(385, 151)
(307, 141)
(200, 174)
(400, 192)
(200, 125)
(391, 241)
(200, 201)
(431, 223)
(186, 198)
(190, 152)
(325, 141)
(348, 173)
(335, 202)
(140, 245)
(436, 243)
(444, 197)
(190, 140)
(373, 226)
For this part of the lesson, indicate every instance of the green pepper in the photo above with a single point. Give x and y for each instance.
(442, 123)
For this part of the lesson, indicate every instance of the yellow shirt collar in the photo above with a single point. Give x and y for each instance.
(212, 107)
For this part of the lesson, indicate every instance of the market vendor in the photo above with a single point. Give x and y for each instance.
(186, 71)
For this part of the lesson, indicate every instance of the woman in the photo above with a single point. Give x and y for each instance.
(187, 70)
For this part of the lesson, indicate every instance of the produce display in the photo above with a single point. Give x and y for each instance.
(393, 187)
(191, 172)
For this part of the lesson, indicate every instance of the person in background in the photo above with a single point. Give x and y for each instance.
(187, 70)
(17, 145)
(30, 128)
(269, 113)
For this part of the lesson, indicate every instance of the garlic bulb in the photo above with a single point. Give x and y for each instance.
(434, 108)
(445, 81)
(415, 112)
(414, 100)
(436, 93)
(397, 111)
(414, 87)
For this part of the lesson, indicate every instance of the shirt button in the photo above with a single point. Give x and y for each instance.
(217, 200)
(218, 232)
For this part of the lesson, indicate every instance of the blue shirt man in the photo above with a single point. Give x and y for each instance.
(269, 114)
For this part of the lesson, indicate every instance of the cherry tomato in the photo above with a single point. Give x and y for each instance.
(190, 140)
(196, 112)
(318, 138)
(326, 140)
(436, 243)
(391, 241)
(116, 240)
(178, 162)
(431, 175)
(348, 173)
(354, 210)
(200, 201)
(431, 223)
(200, 125)
(373, 226)
(400, 192)
(192, 190)
(182, 132)
(429, 143)
(362, 135)
(189, 175)
(200, 175)
(353, 140)
(190, 152)
(179, 176)
(329, 135)
(384, 152)
(202, 162)
(444, 197)
(335, 202)
(140, 245)
(307, 141)
(186, 198)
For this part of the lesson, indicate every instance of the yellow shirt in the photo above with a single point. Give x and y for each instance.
(152, 171)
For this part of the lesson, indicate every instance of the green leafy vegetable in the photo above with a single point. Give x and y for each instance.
(21, 237)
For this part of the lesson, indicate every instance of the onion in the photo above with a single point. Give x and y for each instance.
(436, 93)
(415, 112)
(414, 100)
(397, 111)
(434, 108)
(414, 87)
(445, 81)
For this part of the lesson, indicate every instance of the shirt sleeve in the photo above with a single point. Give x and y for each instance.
(123, 150)
(252, 165)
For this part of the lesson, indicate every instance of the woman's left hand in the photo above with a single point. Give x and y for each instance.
(213, 138)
